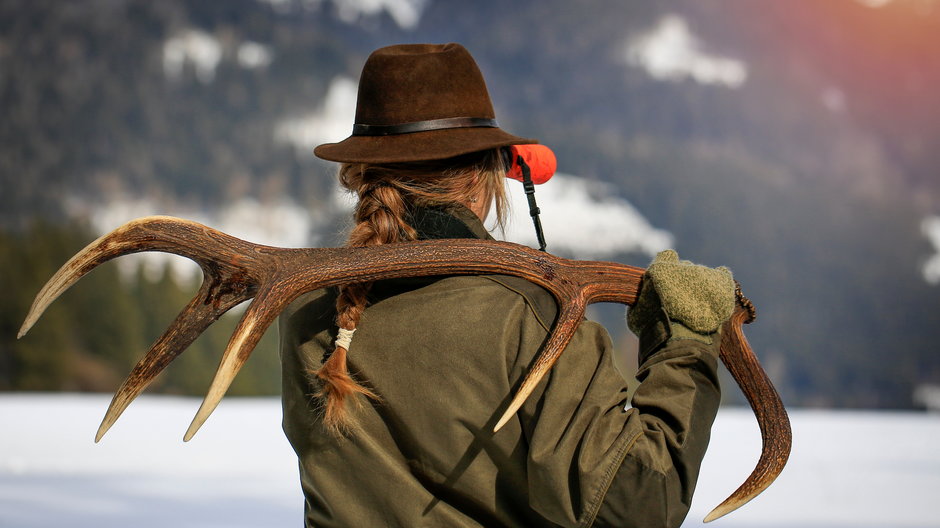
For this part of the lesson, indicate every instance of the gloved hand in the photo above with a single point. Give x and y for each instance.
(694, 301)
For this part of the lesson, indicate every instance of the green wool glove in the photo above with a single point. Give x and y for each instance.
(697, 300)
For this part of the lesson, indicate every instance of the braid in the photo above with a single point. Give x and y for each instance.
(386, 196)
(379, 219)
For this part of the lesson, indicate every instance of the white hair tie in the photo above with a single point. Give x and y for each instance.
(344, 337)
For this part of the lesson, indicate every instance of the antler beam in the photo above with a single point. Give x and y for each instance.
(235, 270)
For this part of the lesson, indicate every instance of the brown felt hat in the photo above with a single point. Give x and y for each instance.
(420, 102)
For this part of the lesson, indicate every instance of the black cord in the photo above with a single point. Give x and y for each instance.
(529, 188)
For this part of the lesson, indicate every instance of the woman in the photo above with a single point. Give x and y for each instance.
(392, 389)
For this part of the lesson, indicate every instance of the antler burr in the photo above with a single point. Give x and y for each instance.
(235, 270)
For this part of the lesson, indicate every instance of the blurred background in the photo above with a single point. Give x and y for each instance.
(797, 143)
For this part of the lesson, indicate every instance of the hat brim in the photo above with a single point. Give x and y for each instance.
(418, 146)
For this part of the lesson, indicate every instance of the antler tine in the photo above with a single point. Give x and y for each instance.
(267, 305)
(570, 314)
(575, 284)
(188, 325)
(151, 233)
(776, 436)
(229, 279)
(119, 242)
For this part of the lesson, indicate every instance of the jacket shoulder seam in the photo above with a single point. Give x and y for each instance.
(540, 301)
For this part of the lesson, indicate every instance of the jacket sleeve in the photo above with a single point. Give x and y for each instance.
(673, 411)
(592, 461)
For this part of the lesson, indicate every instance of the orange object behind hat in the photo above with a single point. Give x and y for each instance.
(531, 165)
(540, 159)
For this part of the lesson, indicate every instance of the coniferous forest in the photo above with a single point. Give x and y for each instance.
(811, 172)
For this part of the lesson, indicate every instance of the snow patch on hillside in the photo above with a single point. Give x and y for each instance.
(329, 123)
(203, 52)
(405, 13)
(583, 218)
(930, 227)
(195, 47)
(283, 223)
(253, 55)
(670, 52)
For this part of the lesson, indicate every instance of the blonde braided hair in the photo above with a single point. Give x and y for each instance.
(387, 195)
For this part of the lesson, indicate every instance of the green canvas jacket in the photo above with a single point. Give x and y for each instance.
(445, 355)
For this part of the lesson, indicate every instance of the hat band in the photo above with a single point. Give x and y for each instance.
(423, 126)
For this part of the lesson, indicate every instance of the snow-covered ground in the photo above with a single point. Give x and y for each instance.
(847, 469)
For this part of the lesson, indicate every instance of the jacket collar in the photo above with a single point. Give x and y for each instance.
(455, 221)
(432, 223)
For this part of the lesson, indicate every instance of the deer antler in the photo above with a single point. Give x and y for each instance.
(235, 270)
